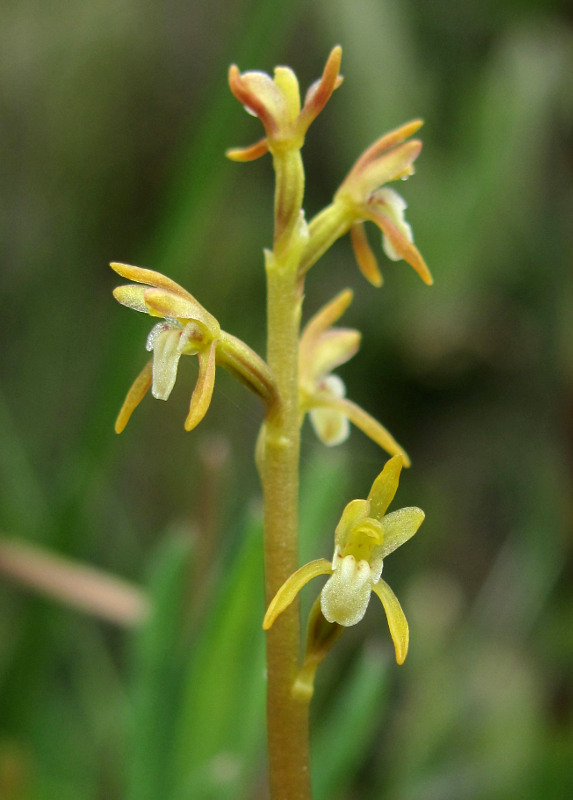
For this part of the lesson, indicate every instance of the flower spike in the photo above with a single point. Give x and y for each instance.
(322, 348)
(364, 536)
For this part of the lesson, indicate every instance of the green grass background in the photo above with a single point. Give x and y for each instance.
(114, 118)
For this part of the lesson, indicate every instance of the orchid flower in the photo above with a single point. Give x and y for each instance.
(322, 348)
(363, 196)
(186, 328)
(390, 158)
(365, 535)
(276, 102)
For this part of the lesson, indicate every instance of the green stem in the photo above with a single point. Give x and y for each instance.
(324, 229)
(289, 191)
(287, 715)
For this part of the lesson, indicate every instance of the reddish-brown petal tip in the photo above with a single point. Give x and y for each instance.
(320, 92)
(406, 249)
(388, 141)
(250, 99)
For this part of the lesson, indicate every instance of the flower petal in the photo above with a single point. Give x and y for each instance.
(203, 392)
(327, 316)
(320, 92)
(400, 243)
(260, 96)
(362, 181)
(399, 526)
(249, 153)
(346, 594)
(292, 586)
(149, 276)
(385, 486)
(166, 357)
(132, 297)
(365, 258)
(334, 347)
(397, 621)
(393, 205)
(391, 166)
(330, 426)
(362, 419)
(386, 142)
(168, 304)
(287, 82)
(354, 512)
(135, 395)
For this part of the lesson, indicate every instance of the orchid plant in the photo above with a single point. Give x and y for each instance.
(295, 379)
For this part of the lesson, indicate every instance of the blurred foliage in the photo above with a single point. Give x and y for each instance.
(114, 118)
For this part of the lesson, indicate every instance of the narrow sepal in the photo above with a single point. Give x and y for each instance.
(149, 276)
(334, 347)
(168, 304)
(321, 91)
(287, 83)
(326, 317)
(397, 621)
(401, 244)
(386, 142)
(135, 395)
(365, 258)
(203, 392)
(292, 586)
(391, 166)
(385, 486)
(258, 93)
(366, 423)
(249, 153)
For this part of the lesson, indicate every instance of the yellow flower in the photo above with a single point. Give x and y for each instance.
(276, 102)
(186, 328)
(322, 348)
(364, 537)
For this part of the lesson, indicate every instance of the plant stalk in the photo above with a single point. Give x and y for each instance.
(287, 716)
